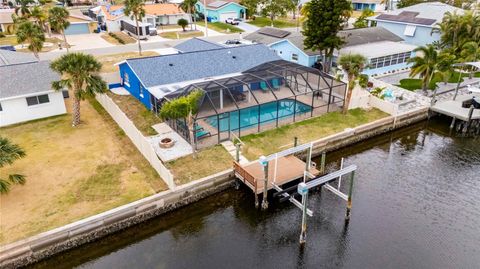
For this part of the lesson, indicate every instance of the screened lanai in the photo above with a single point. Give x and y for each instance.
(262, 98)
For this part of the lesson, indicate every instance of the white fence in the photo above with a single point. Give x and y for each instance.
(142, 144)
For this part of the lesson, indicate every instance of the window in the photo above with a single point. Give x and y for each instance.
(141, 90)
(294, 57)
(410, 30)
(65, 94)
(126, 79)
(1, 109)
(36, 100)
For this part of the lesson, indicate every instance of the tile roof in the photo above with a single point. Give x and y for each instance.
(8, 57)
(25, 79)
(176, 68)
(163, 9)
(427, 13)
(112, 12)
(196, 44)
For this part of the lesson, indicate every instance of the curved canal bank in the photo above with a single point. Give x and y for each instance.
(415, 204)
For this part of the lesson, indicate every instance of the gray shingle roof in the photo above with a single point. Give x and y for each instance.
(427, 13)
(361, 36)
(196, 44)
(8, 57)
(24, 79)
(168, 69)
(352, 37)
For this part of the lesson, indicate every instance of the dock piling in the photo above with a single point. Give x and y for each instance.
(453, 123)
(237, 153)
(349, 199)
(265, 185)
(322, 164)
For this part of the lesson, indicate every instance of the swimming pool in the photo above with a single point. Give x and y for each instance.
(249, 116)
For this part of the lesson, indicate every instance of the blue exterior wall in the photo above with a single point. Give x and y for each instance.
(422, 35)
(214, 15)
(285, 49)
(133, 86)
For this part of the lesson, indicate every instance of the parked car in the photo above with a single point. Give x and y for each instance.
(232, 21)
(233, 42)
(153, 31)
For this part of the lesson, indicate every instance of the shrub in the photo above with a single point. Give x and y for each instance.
(363, 80)
(121, 41)
(183, 23)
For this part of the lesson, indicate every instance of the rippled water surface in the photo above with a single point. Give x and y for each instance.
(416, 204)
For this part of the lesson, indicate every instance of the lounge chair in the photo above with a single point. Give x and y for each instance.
(276, 83)
(263, 86)
(202, 134)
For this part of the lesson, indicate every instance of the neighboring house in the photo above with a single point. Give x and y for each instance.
(6, 21)
(222, 10)
(196, 44)
(80, 24)
(414, 24)
(289, 46)
(26, 89)
(374, 5)
(110, 17)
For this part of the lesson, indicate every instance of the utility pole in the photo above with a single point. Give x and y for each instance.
(205, 13)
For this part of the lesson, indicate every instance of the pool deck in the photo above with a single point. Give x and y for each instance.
(289, 168)
(453, 108)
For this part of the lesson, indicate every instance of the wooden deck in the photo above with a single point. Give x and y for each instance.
(289, 168)
(453, 108)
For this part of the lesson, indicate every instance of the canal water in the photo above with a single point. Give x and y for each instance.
(415, 205)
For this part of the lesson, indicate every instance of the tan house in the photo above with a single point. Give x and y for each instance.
(6, 21)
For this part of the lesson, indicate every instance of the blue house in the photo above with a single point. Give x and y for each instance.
(219, 11)
(149, 79)
(374, 5)
(414, 24)
(385, 50)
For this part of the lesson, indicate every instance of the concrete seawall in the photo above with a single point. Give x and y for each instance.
(49, 243)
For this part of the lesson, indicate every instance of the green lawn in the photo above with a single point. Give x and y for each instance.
(208, 161)
(181, 34)
(278, 139)
(279, 23)
(9, 40)
(221, 27)
(412, 84)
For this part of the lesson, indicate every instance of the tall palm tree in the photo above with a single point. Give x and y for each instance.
(445, 68)
(58, 18)
(33, 35)
(352, 65)
(9, 153)
(189, 7)
(80, 75)
(23, 7)
(39, 16)
(136, 8)
(424, 64)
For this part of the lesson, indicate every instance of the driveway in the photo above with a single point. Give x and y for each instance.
(87, 41)
(248, 28)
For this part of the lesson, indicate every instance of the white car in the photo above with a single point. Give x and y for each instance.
(232, 21)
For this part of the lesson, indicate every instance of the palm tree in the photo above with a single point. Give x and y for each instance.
(352, 65)
(80, 75)
(445, 68)
(189, 7)
(33, 35)
(8, 154)
(22, 8)
(39, 15)
(470, 53)
(424, 64)
(184, 107)
(58, 18)
(136, 8)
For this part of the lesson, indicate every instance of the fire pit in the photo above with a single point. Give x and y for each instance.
(166, 143)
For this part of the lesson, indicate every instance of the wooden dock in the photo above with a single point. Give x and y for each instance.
(454, 109)
(288, 168)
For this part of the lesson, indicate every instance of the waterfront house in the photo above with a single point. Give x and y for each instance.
(377, 44)
(6, 21)
(220, 10)
(25, 89)
(246, 88)
(414, 24)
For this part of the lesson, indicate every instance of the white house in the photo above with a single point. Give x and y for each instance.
(25, 89)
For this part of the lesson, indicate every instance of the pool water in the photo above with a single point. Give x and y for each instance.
(249, 116)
